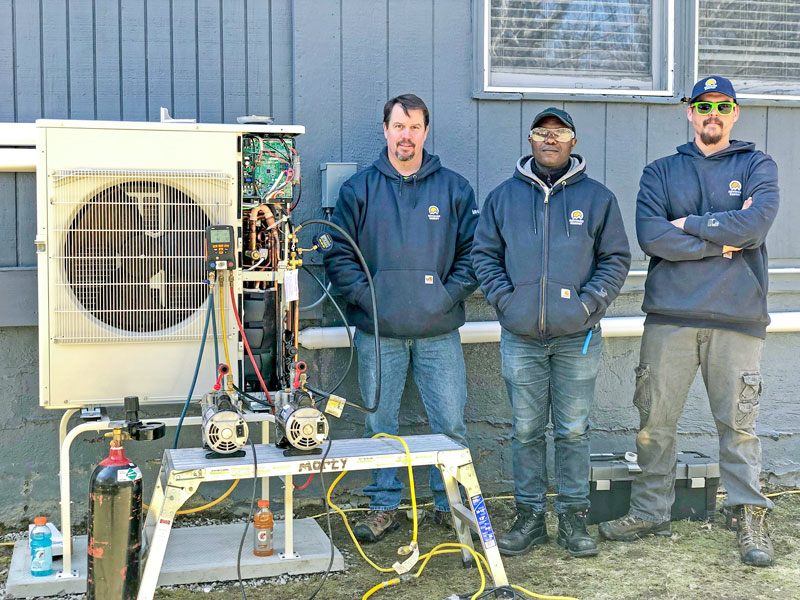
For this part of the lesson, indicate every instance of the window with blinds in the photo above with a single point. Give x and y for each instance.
(587, 45)
(754, 43)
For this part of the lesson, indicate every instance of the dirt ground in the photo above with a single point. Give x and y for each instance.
(699, 561)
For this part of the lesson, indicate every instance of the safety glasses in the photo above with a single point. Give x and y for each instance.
(540, 134)
(722, 108)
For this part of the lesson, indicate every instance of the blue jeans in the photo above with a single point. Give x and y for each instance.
(438, 368)
(543, 377)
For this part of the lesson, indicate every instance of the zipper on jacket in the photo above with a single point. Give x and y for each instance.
(545, 247)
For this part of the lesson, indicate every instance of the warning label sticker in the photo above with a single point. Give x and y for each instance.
(482, 519)
(129, 474)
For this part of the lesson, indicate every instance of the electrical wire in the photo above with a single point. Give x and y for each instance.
(196, 368)
(773, 495)
(249, 352)
(305, 485)
(299, 194)
(346, 326)
(446, 548)
(374, 304)
(222, 323)
(190, 511)
(318, 301)
(252, 398)
(328, 513)
(249, 518)
(215, 336)
(411, 487)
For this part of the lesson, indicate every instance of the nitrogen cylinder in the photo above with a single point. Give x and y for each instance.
(115, 535)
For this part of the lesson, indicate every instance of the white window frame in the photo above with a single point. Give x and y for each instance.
(669, 91)
(697, 64)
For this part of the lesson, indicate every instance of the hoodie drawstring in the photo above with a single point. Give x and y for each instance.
(533, 205)
(414, 201)
(564, 204)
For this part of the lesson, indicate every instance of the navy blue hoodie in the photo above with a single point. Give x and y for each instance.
(550, 260)
(689, 282)
(415, 234)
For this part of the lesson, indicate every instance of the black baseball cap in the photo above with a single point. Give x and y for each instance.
(714, 83)
(559, 114)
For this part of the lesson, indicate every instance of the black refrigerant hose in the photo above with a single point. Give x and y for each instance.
(373, 300)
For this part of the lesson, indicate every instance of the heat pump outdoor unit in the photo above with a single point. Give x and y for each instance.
(121, 212)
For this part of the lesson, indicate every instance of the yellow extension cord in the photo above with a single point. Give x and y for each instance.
(446, 548)
(442, 548)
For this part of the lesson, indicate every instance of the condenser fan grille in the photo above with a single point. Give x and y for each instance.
(131, 252)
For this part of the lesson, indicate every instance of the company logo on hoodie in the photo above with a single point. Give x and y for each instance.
(433, 213)
(711, 84)
(576, 217)
(735, 188)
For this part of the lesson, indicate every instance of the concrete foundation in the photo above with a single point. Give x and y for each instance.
(183, 562)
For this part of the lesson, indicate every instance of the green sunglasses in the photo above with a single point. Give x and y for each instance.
(722, 108)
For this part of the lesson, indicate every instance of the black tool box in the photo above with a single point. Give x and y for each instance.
(696, 482)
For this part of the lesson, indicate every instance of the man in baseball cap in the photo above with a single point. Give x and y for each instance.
(551, 254)
(702, 215)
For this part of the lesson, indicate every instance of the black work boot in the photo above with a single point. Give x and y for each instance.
(573, 535)
(630, 528)
(755, 545)
(528, 531)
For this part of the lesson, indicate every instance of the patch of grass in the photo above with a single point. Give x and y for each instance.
(700, 561)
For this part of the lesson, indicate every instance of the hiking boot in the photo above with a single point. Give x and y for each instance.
(573, 535)
(630, 528)
(755, 546)
(375, 525)
(528, 531)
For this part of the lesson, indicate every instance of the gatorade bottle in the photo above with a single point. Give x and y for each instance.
(263, 524)
(41, 549)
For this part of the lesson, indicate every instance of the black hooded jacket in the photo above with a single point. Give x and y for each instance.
(415, 234)
(550, 260)
(689, 281)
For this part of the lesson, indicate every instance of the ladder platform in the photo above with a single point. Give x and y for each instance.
(345, 455)
(184, 469)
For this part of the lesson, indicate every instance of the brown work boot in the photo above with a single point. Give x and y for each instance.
(630, 528)
(755, 546)
(375, 525)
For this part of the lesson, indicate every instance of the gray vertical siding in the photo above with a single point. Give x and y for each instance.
(330, 65)
(325, 64)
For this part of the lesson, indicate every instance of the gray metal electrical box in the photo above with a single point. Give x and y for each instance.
(334, 174)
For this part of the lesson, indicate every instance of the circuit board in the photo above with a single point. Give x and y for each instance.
(266, 166)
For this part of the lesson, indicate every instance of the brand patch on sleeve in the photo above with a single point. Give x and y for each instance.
(565, 293)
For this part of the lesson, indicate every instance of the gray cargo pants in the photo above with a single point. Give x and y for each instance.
(667, 367)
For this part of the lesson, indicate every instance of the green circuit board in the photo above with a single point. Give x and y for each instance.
(265, 161)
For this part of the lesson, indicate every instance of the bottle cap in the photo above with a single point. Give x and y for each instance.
(263, 503)
(40, 521)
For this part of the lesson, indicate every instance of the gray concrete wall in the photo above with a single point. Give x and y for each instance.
(330, 65)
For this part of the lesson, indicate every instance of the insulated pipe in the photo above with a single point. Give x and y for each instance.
(479, 332)
(17, 160)
(18, 134)
(17, 147)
